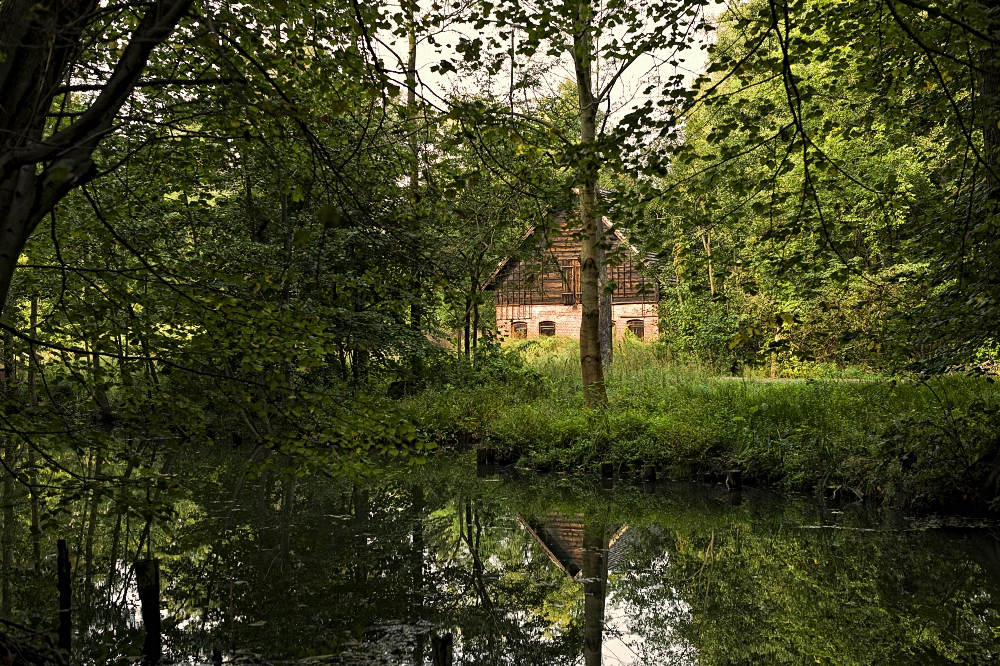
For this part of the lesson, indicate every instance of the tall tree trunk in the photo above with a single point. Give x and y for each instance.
(989, 111)
(606, 325)
(36, 531)
(8, 365)
(468, 312)
(9, 453)
(100, 392)
(410, 7)
(989, 100)
(706, 241)
(475, 323)
(594, 391)
(287, 507)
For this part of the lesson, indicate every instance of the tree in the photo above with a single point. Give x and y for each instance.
(611, 37)
(849, 135)
(45, 50)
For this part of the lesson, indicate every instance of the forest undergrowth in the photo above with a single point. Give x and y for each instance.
(921, 443)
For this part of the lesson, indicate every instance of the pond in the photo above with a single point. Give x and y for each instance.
(524, 568)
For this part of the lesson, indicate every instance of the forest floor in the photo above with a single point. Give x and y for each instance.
(918, 443)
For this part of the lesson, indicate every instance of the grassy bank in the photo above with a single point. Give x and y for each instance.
(907, 442)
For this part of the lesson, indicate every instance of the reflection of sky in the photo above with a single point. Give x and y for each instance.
(643, 634)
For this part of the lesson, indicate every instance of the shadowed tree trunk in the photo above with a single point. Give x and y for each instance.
(36, 531)
(410, 8)
(989, 120)
(9, 452)
(606, 331)
(287, 507)
(39, 167)
(989, 100)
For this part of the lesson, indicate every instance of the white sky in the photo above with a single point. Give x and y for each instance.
(626, 93)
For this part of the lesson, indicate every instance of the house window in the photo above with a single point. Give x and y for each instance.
(636, 327)
(547, 328)
(519, 330)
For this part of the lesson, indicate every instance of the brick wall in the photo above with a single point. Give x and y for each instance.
(567, 319)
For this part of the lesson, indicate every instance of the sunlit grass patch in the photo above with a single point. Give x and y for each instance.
(913, 440)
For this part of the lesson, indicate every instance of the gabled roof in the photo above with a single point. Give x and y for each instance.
(561, 538)
(491, 281)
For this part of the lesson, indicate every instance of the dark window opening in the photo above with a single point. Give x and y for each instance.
(547, 328)
(519, 330)
(636, 327)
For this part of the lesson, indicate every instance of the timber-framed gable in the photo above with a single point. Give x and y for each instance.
(538, 293)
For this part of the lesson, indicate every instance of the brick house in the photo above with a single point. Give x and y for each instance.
(539, 294)
(561, 537)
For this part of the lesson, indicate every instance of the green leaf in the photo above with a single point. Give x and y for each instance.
(329, 216)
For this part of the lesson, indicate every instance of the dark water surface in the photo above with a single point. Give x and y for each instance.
(552, 569)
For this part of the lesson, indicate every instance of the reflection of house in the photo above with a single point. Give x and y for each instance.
(540, 295)
(561, 538)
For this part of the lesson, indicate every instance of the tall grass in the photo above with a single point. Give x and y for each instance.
(908, 441)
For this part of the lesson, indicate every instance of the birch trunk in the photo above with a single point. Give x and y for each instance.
(592, 370)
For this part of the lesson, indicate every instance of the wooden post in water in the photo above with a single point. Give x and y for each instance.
(648, 473)
(441, 649)
(147, 578)
(607, 470)
(64, 585)
(734, 479)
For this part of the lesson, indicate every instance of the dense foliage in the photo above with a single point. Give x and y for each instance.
(831, 198)
(253, 229)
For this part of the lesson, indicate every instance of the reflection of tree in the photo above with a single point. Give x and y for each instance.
(527, 574)
(758, 591)
(595, 585)
(510, 582)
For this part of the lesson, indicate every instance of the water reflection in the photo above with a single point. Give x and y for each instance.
(550, 570)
